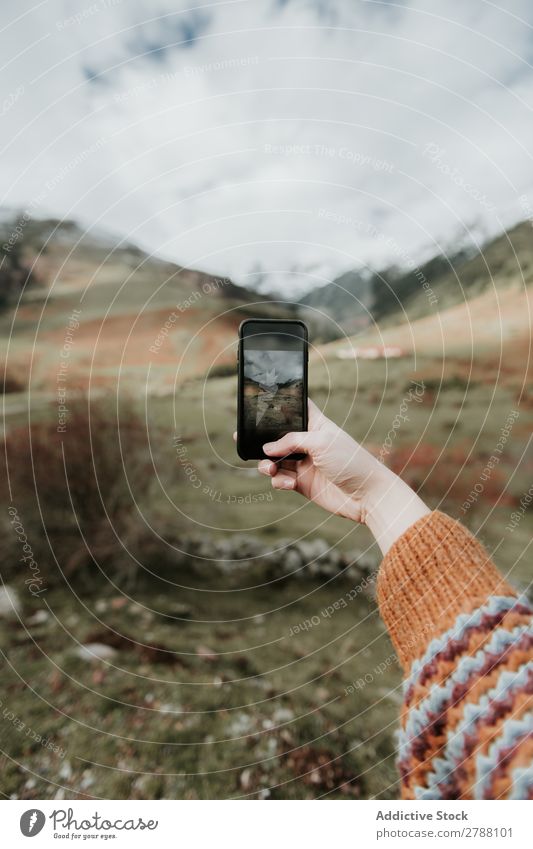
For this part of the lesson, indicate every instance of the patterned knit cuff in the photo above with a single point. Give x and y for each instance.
(434, 572)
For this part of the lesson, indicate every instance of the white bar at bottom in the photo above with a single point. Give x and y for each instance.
(264, 824)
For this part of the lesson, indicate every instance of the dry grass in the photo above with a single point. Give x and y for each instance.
(77, 492)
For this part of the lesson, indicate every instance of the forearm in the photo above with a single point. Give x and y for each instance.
(391, 507)
(432, 574)
(466, 644)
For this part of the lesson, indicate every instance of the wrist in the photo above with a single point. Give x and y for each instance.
(391, 507)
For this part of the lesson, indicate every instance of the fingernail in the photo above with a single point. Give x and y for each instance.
(287, 484)
(268, 446)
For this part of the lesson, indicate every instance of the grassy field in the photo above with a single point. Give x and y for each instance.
(460, 415)
(240, 707)
(212, 688)
(146, 672)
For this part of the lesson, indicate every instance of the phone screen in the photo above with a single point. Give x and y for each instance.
(272, 383)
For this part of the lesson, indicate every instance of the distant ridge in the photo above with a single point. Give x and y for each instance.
(357, 299)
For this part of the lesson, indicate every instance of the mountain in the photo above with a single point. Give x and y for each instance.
(121, 312)
(347, 300)
(502, 263)
(490, 327)
(358, 299)
(126, 316)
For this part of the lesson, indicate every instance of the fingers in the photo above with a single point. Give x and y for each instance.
(267, 467)
(291, 465)
(284, 480)
(291, 443)
(282, 477)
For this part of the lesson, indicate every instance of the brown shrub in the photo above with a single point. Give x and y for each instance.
(77, 492)
(11, 382)
(451, 474)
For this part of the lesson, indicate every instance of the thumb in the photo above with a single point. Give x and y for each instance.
(303, 442)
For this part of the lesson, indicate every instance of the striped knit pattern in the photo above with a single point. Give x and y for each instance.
(465, 641)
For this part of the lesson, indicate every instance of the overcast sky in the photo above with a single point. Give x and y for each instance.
(272, 367)
(275, 140)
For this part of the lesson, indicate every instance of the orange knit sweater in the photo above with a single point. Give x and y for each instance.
(465, 641)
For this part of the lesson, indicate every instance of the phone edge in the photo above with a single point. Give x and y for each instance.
(239, 381)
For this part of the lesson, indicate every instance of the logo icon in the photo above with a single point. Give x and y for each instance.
(32, 822)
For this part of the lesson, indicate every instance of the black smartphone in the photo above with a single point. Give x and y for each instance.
(272, 390)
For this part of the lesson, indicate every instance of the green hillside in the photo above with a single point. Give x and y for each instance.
(359, 298)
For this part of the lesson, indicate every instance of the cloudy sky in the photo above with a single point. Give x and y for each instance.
(273, 367)
(277, 141)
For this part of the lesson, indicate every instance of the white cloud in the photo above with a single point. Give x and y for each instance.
(217, 134)
(273, 367)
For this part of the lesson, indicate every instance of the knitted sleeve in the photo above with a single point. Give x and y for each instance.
(465, 641)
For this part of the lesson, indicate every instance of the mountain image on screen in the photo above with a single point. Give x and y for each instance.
(273, 393)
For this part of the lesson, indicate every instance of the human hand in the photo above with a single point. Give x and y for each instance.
(341, 476)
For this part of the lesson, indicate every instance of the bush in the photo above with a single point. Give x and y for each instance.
(11, 382)
(77, 493)
(222, 370)
(15, 266)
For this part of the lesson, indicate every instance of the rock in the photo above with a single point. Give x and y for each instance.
(241, 725)
(206, 653)
(245, 779)
(95, 651)
(65, 771)
(366, 562)
(282, 714)
(87, 779)
(140, 785)
(244, 546)
(335, 558)
(312, 549)
(180, 611)
(244, 555)
(38, 618)
(168, 707)
(292, 561)
(10, 605)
